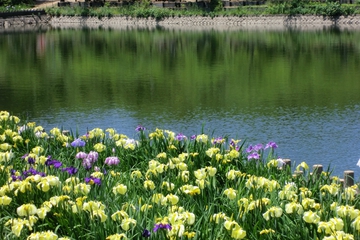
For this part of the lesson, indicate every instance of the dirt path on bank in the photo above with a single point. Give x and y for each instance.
(47, 4)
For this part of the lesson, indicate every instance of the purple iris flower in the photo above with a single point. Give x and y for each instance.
(93, 156)
(71, 170)
(255, 148)
(258, 147)
(50, 161)
(15, 178)
(249, 149)
(193, 137)
(112, 161)
(57, 164)
(253, 155)
(140, 128)
(93, 180)
(88, 159)
(87, 163)
(146, 233)
(218, 140)
(180, 137)
(271, 145)
(29, 172)
(32, 172)
(31, 161)
(78, 143)
(23, 157)
(81, 155)
(162, 226)
(233, 144)
(53, 162)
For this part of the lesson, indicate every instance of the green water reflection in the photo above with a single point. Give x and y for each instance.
(156, 76)
(241, 69)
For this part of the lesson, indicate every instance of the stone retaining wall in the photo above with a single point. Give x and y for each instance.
(22, 21)
(267, 22)
(226, 23)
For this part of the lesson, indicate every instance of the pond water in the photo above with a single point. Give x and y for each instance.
(300, 89)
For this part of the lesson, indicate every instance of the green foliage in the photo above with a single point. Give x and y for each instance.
(145, 3)
(293, 7)
(146, 12)
(287, 7)
(143, 9)
(8, 8)
(332, 8)
(15, 2)
(54, 11)
(216, 5)
(140, 10)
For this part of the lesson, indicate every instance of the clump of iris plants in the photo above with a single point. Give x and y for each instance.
(161, 185)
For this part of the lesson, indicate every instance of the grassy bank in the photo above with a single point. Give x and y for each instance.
(161, 185)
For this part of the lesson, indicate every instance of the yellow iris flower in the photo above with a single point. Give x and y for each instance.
(230, 193)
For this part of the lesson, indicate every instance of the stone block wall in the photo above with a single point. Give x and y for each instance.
(23, 18)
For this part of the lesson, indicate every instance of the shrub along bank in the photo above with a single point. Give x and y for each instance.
(141, 10)
(215, 8)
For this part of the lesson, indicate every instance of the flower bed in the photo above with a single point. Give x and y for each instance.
(161, 185)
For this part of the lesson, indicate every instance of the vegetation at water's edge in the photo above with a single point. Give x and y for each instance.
(144, 10)
(161, 185)
(215, 8)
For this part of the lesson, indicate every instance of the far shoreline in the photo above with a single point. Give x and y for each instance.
(191, 23)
